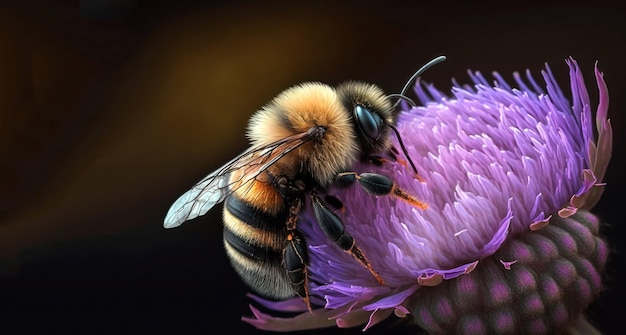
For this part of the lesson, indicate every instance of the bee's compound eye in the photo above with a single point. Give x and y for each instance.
(370, 123)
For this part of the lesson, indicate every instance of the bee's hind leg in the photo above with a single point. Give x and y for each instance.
(295, 260)
(295, 253)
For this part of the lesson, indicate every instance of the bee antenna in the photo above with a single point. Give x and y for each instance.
(417, 74)
(403, 97)
(406, 154)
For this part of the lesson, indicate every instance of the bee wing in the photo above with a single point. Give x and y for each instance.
(216, 187)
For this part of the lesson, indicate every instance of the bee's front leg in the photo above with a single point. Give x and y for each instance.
(393, 157)
(334, 228)
(377, 184)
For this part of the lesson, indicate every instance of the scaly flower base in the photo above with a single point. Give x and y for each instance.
(537, 283)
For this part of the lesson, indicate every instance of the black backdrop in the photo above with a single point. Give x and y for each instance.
(110, 109)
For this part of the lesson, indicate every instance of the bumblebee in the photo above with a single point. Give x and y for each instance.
(302, 143)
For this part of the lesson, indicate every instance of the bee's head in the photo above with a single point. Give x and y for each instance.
(372, 115)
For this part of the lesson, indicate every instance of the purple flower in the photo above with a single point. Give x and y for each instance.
(507, 243)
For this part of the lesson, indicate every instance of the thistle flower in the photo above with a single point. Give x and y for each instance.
(507, 244)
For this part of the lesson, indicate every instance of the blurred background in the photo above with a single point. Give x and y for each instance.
(110, 109)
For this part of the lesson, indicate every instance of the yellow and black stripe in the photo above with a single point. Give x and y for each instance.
(254, 241)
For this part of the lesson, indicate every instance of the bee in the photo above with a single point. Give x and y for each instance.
(304, 142)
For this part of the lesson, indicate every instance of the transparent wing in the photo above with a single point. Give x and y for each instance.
(217, 186)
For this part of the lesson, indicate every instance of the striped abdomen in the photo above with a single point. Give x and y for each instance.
(254, 242)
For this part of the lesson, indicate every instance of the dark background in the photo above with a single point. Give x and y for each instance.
(109, 110)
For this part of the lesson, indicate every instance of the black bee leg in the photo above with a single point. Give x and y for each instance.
(377, 184)
(335, 230)
(334, 203)
(379, 161)
(288, 188)
(295, 258)
(295, 255)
